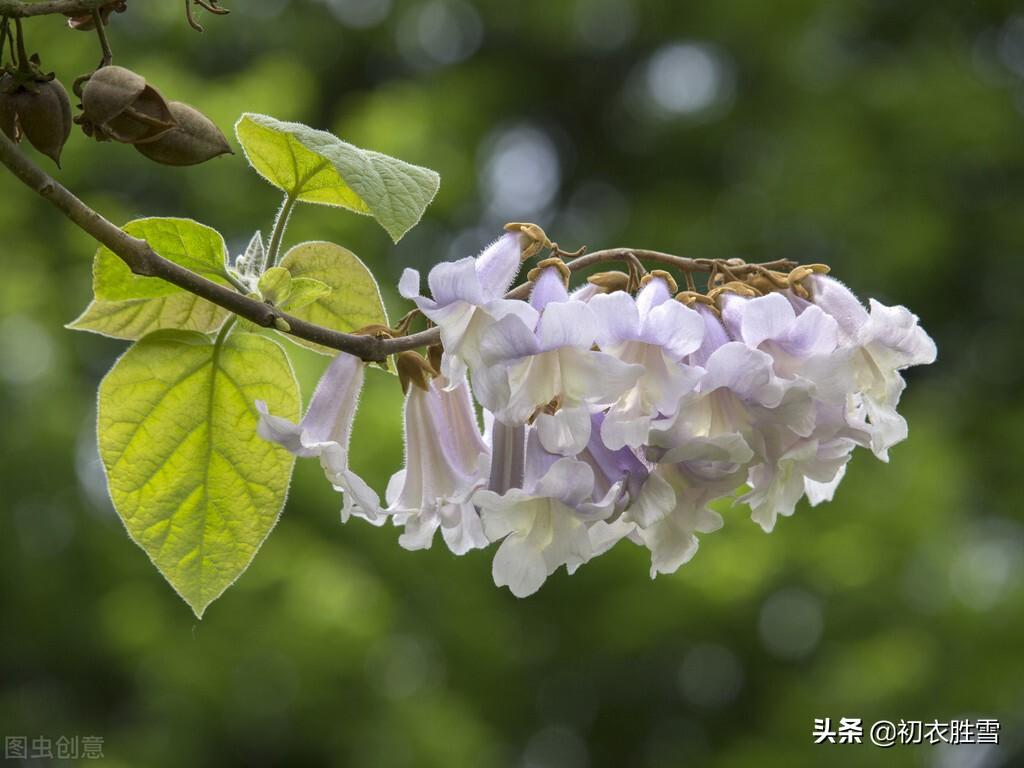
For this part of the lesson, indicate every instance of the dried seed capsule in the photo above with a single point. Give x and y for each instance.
(44, 117)
(8, 113)
(109, 92)
(195, 139)
(147, 119)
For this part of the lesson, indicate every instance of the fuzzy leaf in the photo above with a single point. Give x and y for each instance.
(318, 167)
(128, 306)
(196, 487)
(354, 300)
(304, 291)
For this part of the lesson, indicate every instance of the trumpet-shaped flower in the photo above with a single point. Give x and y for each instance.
(655, 332)
(529, 367)
(446, 461)
(877, 345)
(324, 433)
(543, 525)
(466, 297)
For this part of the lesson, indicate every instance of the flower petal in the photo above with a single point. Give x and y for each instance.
(498, 264)
(452, 281)
(566, 324)
(617, 318)
(565, 432)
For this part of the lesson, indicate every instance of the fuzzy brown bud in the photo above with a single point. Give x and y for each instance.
(413, 368)
(609, 282)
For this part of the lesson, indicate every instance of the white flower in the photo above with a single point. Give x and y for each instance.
(803, 466)
(466, 298)
(527, 367)
(543, 525)
(508, 454)
(324, 432)
(655, 332)
(878, 345)
(446, 461)
(673, 508)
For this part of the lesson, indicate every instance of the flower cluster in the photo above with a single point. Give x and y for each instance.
(617, 411)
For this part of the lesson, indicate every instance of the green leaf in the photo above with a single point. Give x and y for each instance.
(183, 241)
(128, 306)
(304, 291)
(354, 301)
(276, 285)
(134, 318)
(196, 487)
(318, 167)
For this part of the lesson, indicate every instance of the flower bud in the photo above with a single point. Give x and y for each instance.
(195, 139)
(609, 282)
(661, 275)
(413, 368)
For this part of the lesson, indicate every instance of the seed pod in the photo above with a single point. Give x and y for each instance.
(147, 119)
(44, 117)
(109, 92)
(8, 113)
(195, 139)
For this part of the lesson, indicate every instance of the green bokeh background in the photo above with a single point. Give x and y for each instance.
(884, 138)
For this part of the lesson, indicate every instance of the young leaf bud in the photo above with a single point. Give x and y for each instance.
(276, 285)
(195, 139)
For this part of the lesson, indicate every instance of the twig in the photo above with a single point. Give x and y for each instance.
(19, 9)
(143, 260)
(101, 32)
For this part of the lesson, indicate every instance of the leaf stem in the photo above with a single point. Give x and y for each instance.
(280, 224)
(224, 331)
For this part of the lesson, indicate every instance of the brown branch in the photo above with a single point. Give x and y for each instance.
(19, 9)
(143, 260)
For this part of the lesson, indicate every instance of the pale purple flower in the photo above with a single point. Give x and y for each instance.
(466, 297)
(324, 433)
(877, 345)
(655, 332)
(543, 525)
(446, 461)
(526, 367)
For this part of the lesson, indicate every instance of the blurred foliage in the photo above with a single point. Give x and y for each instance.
(886, 139)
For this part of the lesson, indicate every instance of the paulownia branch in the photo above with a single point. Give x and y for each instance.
(18, 9)
(143, 260)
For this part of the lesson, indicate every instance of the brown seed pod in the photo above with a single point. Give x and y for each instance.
(147, 119)
(8, 113)
(195, 139)
(44, 117)
(109, 92)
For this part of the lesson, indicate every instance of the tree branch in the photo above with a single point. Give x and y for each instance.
(143, 260)
(19, 9)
